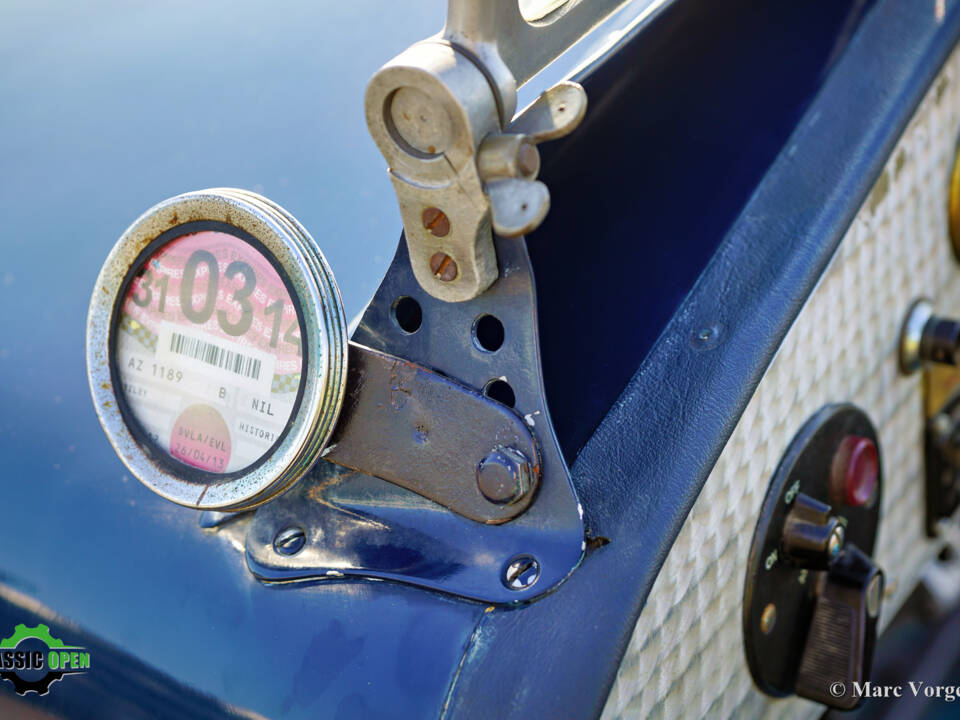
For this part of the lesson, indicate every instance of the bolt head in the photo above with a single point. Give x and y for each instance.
(503, 476)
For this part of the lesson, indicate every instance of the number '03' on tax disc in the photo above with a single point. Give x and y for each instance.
(217, 349)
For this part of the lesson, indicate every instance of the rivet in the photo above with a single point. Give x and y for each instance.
(707, 337)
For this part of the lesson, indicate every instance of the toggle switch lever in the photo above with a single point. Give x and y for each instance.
(843, 631)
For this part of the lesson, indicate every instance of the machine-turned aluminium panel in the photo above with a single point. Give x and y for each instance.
(686, 656)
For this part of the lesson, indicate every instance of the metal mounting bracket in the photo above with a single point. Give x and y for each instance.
(464, 172)
(353, 524)
(416, 428)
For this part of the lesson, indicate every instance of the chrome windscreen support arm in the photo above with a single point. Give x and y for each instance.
(523, 36)
(442, 114)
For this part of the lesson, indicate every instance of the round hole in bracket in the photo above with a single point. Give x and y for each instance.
(407, 314)
(500, 391)
(488, 333)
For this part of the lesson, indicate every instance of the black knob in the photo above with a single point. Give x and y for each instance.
(843, 631)
(812, 537)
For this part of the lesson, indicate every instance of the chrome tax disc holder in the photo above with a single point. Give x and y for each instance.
(421, 450)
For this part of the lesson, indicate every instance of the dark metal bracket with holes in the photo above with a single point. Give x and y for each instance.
(351, 523)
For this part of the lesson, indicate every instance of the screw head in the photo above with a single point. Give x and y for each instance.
(768, 618)
(503, 476)
(443, 267)
(436, 221)
(290, 541)
(835, 543)
(521, 572)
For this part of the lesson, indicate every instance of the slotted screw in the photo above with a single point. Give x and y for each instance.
(521, 572)
(443, 267)
(290, 541)
(436, 221)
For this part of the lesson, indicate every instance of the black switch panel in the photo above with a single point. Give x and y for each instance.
(813, 593)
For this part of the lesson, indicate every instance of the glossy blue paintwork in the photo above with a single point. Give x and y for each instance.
(106, 109)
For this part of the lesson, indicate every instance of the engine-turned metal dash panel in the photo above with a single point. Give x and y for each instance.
(686, 656)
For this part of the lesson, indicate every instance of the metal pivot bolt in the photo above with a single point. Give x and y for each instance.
(503, 476)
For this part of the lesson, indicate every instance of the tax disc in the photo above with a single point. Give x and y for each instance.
(217, 349)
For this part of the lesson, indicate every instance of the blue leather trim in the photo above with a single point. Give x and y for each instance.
(684, 121)
(643, 468)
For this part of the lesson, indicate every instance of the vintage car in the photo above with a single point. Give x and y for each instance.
(537, 359)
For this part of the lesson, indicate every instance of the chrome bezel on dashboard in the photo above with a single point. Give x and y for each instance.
(323, 335)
